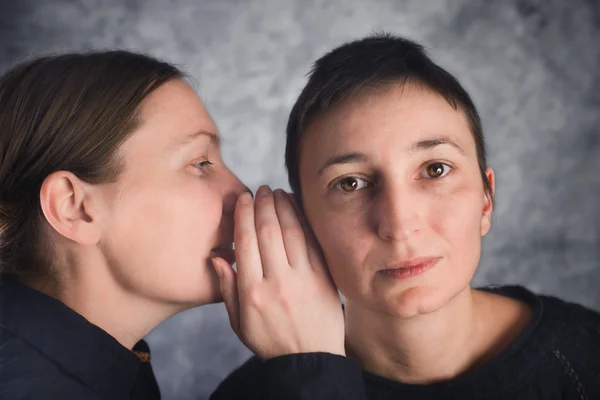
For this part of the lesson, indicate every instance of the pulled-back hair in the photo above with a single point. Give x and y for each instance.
(67, 112)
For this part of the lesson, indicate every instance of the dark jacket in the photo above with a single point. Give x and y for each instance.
(49, 352)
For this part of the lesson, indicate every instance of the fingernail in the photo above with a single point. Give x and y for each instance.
(263, 190)
(218, 267)
(245, 198)
(279, 193)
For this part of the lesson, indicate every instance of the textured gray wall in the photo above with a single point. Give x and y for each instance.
(532, 67)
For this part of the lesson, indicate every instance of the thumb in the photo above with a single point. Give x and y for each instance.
(228, 286)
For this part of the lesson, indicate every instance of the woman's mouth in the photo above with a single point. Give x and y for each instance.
(225, 252)
(410, 268)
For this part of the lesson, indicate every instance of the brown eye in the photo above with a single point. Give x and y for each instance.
(436, 170)
(351, 184)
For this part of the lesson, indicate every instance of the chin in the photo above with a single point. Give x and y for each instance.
(184, 296)
(189, 302)
(199, 290)
(211, 299)
(418, 300)
(203, 296)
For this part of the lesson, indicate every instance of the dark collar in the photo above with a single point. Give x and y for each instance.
(87, 352)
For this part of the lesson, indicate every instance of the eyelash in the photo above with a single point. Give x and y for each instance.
(202, 164)
(448, 166)
(335, 184)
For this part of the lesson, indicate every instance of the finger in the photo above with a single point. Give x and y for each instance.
(247, 254)
(228, 287)
(291, 231)
(315, 254)
(270, 241)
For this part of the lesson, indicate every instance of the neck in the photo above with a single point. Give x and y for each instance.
(95, 294)
(423, 349)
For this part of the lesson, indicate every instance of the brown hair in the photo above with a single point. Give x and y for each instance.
(67, 112)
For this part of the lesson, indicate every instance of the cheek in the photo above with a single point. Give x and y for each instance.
(159, 238)
(168, 229)
(457, 220)
(344, 244)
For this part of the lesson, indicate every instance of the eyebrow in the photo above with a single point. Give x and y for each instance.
(421, 145)
(429, 144)
(214, 138)
(348, 158)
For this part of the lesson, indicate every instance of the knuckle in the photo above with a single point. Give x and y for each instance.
(244, 237)
(244, 240)
(268, 231)
(284, 295)
(294, 232)
(255, 299)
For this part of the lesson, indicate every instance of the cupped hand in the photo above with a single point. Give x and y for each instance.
(282, 299)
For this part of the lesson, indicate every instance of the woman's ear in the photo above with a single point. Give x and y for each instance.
(488, 203)
(69, 206)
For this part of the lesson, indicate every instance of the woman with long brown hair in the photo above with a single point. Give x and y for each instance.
(114, 201)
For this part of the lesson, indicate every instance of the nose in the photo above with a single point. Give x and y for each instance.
(397, 213)
(233, 189)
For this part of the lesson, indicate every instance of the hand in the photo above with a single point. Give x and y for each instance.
(282, 299)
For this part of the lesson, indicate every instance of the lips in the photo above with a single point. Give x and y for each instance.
(226, 252)
(410, 268)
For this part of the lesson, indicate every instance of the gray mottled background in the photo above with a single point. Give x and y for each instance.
(532, 67)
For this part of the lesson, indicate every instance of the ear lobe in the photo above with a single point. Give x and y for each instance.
(67, 206)
(488, 204)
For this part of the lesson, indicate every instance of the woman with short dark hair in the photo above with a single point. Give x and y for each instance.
(386, 153)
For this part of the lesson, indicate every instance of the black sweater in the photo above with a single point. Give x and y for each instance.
(557, 356)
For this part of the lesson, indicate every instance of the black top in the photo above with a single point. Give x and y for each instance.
(557, 356)
(49, 352)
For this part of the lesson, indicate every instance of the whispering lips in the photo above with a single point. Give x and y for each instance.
(224, 247)
(410, 268)
(224, 251)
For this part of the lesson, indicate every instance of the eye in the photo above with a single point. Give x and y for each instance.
(435, 170)
(351, 184)
(202, 164)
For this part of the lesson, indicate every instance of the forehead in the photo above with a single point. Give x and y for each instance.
(175, 102)
(170, 116)
(384, 119)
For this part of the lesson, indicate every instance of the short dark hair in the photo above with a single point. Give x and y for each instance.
(63, 112)
(373, 62)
